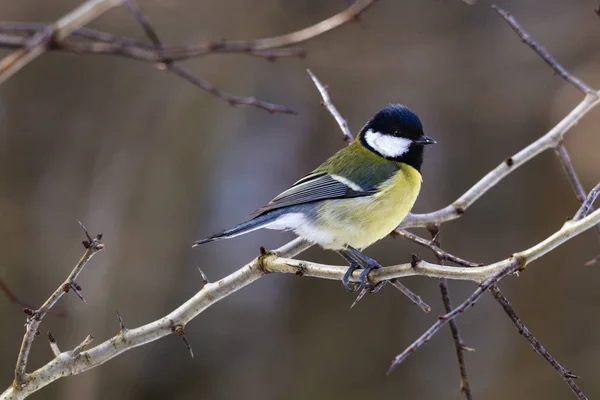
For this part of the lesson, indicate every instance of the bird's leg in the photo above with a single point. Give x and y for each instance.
(369, 265)
(355, 264)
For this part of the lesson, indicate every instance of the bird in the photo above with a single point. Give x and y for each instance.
(356, 197)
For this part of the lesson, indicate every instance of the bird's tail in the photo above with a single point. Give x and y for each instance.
(253, 224)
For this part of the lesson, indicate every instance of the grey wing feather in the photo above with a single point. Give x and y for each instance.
(314, 187)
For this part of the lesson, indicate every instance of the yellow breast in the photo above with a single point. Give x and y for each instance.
(361, 221)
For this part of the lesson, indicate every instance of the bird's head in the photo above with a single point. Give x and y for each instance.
(396, 133)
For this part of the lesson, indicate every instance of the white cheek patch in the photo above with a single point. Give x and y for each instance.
(386, 145)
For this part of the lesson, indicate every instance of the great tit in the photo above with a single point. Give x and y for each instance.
(356, 197)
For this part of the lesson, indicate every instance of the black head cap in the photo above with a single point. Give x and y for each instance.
(396, 133)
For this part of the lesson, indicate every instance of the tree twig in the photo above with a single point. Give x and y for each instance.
(459, 345)
(535, 344)
(431, 245)
(92, 246)
(331, 108)
(491, 179)
(494, 272)
(56, 32)
(586, 207)
(168, 64)
(449, 316)
(543, 53)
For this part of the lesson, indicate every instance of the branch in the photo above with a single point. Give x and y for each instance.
(51, 38)
(535, 344)
(129, 49)
(434, 247)
(92, 246)
(331, 108)
(543, 53)
(277, 261)
(459, 345)
(548, 141)
(586, 207)
(496, 272)
(55, 32)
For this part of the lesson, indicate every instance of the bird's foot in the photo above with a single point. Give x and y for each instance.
(354, 286)
(364, 277)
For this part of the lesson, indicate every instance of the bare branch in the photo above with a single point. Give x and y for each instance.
(459, 345)
(276, 262)
(56, 32)
(231, 99)
(543, 53)
(92, 246)
(167, 64)
(331, 108)
(548, 141)
(442, 320)
(586, 207)
(439, 253)
(51, 38)
(535, 344)
(413, 297)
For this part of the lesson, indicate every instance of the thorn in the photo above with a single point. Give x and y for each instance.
(180, 332)
(415, 259)
(204, 278)
(87, 234)
(51, 338)
(466, 348)
(76, 289)
(122, 326)
(262, 251)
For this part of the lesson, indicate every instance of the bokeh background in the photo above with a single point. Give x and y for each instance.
(154, 163)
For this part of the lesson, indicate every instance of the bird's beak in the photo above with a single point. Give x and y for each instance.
(425, 140)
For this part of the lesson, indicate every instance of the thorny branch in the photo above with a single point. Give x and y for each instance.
(163, 56)
(560, 149)
(66, 364)
(459, 345)
(81, 359)
(537, 346)
(92, 246)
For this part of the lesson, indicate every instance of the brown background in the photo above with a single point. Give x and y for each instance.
(154, 164)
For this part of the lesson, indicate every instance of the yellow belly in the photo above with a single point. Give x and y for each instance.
(361, 221)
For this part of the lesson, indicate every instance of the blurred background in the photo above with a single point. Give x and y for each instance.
(154, 164)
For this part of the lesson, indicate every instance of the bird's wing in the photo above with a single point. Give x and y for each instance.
(314, 187)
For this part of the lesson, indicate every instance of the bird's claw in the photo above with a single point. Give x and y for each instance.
(346, 279)
(364, 277)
